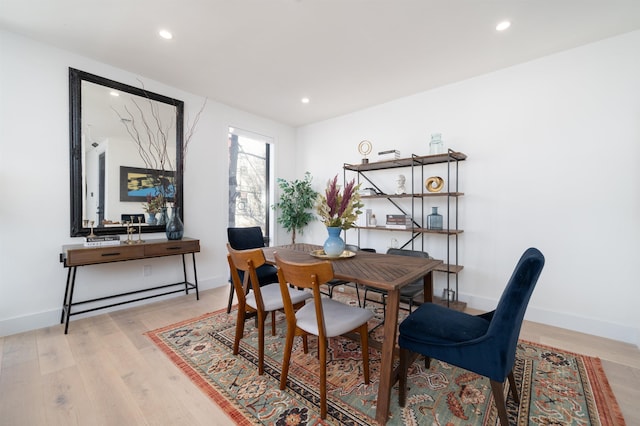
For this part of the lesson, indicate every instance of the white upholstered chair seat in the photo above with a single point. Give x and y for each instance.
(339, 318)
(272, 297)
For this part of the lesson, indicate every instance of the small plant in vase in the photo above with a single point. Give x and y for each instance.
(152, 207)
(338, 211)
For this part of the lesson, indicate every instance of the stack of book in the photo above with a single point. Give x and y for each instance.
(102, 240)
(399, 221)
(391, 154)
(367, 191)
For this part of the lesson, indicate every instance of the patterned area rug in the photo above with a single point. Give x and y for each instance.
(556, 387)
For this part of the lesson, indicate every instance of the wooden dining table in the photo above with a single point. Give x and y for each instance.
(383, 271)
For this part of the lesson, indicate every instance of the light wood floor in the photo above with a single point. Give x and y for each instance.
(106, 372)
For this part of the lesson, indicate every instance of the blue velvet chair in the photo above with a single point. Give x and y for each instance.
(244, 239)
(484, 344)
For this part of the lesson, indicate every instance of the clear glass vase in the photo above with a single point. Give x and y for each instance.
(436, 146)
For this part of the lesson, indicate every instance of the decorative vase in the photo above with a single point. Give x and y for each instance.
(334, 245)
(161, 218)
(436, 146)
(434, 220)
(150, 219)
(175, 227)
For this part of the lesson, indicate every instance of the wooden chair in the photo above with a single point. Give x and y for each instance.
(324, 318)
(484, 344)
(252, 298)
(250, 238)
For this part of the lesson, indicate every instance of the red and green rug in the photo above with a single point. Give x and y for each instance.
(556, 387)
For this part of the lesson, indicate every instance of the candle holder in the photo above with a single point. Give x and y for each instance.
(140, 240)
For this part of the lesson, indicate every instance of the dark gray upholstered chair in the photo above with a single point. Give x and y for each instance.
(250, 238)
(484, 344)
(332, 284)
(408, 292)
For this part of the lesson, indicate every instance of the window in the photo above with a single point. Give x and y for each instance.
(249, 180)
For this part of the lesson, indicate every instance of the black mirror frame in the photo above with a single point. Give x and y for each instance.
(75, 154)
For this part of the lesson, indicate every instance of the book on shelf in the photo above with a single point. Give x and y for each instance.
(398, 226)
(100, 238)
(398, 218)
(391, 154)
(103, 243)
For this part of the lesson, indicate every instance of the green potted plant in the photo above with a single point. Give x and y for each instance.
(296, 201)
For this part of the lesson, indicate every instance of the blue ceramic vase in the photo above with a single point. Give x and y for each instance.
(334, 245)
(175, 227)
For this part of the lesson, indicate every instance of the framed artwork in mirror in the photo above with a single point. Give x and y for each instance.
(137, 183)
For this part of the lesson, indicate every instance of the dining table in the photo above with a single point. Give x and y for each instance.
(382, 271)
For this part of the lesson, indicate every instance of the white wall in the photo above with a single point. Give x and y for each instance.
(34, 183)
(552, 148)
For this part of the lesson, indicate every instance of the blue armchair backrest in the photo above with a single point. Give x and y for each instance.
(245, 238)
(507, 318)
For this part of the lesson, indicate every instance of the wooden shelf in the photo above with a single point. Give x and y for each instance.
(425, 195)
(407, 162)
(416, 230)
(453, 269)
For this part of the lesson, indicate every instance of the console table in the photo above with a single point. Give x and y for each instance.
(75, 255)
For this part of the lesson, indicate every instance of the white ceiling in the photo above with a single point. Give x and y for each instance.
(263, 56)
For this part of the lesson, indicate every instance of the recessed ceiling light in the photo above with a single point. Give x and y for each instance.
(305, 100)
(114, 93)
(165, 34)
(503, 25)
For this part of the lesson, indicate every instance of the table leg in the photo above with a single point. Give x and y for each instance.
(66, 294)
(428, 287)
(70, 302)
(195, 275)
(387, 378)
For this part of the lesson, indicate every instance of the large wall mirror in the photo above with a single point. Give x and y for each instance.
(126, 150)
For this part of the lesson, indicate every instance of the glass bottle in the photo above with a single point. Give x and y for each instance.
(434, 220)
(436, 146)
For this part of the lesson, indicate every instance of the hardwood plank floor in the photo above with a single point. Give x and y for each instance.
(106, 372)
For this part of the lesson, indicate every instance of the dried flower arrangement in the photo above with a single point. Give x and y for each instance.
(339, 209)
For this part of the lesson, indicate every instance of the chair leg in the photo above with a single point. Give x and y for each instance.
(364, 344)
(239, 329)
(513, 388)
(497, 389)
(402, 376)
(273, 323)
(358, 294)
(261, 317)
(286, 357)
(322, 350)
(231, 291)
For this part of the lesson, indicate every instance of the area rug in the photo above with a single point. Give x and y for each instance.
(556, 387)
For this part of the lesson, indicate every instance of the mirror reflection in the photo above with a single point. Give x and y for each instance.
(126, 146)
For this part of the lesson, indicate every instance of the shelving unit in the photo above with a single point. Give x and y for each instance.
(418, 198)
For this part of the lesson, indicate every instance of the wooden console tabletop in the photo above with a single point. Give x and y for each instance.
(75, 255)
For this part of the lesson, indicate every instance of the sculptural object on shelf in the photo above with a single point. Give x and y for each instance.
(400, 188)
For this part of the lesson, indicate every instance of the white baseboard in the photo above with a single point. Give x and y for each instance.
(609, 330)
(51, 317)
